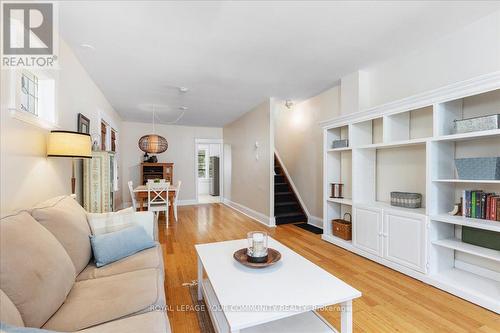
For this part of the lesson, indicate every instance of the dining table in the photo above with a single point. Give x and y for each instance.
(141, 193)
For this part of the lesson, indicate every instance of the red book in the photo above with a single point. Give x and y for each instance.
(488, 206)
(497, 209)
(493, 210)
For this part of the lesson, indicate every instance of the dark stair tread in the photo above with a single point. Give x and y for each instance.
(280, 183)
(285, 203)
(283, 193)
(290, 214)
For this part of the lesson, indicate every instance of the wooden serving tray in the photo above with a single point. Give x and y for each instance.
(273, 257)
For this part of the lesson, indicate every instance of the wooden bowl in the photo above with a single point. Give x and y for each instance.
(273, 257)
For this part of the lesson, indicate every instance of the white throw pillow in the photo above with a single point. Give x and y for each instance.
(103, 223)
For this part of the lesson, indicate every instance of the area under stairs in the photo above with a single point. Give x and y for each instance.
(287, 208)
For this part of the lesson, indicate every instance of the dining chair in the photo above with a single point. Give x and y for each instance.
(158, 198)
(176, 198)
(132, 195)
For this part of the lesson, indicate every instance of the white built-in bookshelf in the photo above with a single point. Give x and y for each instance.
(410, 146)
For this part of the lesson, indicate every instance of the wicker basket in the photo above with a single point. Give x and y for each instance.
(406, 199)
(342, 228)
(340, 143)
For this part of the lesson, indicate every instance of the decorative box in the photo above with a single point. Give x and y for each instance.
(477, 124)
(342, 228)
(484, 238)
(406, 199)
(340, 143)
(479, 168)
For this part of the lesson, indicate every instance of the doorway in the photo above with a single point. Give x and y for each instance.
(209, 170)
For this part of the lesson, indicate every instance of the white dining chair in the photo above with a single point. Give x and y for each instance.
(158, 198)
(176, 199)
(132, 195)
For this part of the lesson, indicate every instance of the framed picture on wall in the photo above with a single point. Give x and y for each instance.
(83, 124)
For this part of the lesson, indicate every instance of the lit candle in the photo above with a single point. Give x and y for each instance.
(258, 245)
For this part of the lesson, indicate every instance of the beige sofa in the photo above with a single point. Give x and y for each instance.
(48, 279)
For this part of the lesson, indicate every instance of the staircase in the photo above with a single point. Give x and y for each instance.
(287, 208)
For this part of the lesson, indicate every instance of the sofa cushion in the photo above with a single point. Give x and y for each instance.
(8, 311)
(6, 328)
(114, 246)
(97, 301)
(150, 258)
(67, 220)
(151, 322)
(36, 273)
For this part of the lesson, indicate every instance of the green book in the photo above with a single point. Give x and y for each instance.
(473, 204)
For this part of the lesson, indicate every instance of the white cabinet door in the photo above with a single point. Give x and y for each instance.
(405, 239)
(367, 229)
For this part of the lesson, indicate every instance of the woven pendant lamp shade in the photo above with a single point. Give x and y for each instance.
(153, 144)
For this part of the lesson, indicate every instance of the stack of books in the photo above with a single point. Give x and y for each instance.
(481, 205)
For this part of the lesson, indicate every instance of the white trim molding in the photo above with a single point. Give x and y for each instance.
(294, 188)
(259, 217)
(476, 85)
(188, 202)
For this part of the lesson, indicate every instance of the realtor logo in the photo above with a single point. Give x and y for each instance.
(28, 34)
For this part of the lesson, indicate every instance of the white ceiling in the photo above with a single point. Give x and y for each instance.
(233, 55)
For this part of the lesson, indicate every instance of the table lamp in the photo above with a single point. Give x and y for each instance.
(69, 144)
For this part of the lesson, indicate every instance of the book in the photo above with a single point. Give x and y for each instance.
(498, 209)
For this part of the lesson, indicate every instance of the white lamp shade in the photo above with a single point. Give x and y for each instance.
(69, 144)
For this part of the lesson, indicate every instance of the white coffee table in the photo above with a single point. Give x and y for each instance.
(280, 298)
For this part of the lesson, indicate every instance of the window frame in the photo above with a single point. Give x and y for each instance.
(205, 162)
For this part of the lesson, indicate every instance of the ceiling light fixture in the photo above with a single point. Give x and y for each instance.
(183, 108)
(288, 104)
(183, 89)
(153, 143)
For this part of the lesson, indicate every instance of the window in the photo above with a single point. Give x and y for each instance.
(202, 163)
(29, 93)
(32, 96)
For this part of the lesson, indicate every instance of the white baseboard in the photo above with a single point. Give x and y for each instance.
(187, 202)
(259, 217)
(315, 221)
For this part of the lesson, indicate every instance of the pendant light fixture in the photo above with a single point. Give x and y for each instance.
(153, 143)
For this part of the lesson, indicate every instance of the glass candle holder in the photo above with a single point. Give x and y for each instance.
(257, 246)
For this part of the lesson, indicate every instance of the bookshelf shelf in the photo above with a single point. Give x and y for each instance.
(468, 136)
(458, 245)
(410, 146)
(469, 285)
(332, 150)
(395, 144)
(467, 181)
(343, 201)
(467, 221)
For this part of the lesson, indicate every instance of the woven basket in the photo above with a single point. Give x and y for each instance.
(342, 228)
(406, 199)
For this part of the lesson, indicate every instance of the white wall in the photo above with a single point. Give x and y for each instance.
(251, 167)
(27, 175)
(466, 53)
(181, 152)
(299, 143)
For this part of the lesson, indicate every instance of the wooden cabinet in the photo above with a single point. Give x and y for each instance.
(367, 229)
(405, 239)
(157, 171)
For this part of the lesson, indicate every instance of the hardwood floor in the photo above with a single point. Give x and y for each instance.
(391, 301)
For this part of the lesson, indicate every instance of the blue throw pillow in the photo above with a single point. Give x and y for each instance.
(116, 245)
(14, 329)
